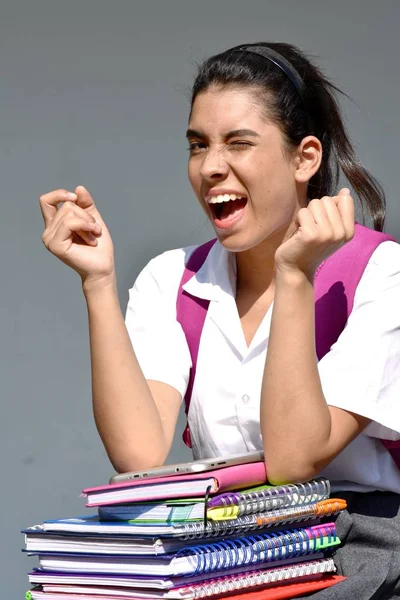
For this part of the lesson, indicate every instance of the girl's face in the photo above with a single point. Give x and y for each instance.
(239, 169)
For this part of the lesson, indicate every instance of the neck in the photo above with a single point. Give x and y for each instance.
(256, 266)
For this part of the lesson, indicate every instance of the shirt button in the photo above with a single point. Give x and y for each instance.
(245, 398)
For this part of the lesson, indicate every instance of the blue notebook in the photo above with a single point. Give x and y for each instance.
(92, 526)
(155, 512)
(203, 558)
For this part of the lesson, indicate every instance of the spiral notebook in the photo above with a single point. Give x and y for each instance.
(280, 591)
(149, 582)
(217, 586)
(193, 484)
(264, 498)
(39, 540)
(259, 578)
(221, 507)
(204, 558)
(287, 591)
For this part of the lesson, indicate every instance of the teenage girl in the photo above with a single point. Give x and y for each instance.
(266, 142)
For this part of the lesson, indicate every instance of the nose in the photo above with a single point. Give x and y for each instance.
(214, 165)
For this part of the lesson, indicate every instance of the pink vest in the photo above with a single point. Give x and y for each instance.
(335, 284)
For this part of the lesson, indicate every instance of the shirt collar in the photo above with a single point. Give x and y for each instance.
(216, 278)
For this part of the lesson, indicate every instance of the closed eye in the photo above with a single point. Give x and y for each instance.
(240, 145)
(196, 146)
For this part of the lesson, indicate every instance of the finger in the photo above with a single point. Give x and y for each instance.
(66, 211)
(50, 201)
(79, 226)
(320, 216)
(344, 192)
(335, 218)
(66, 229)
(345, 206)
(307, 224)
(85, 237)
(85, 200)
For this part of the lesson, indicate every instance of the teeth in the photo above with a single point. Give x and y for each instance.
(223, 198)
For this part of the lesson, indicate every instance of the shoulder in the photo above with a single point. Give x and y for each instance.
(380, 283)
(382, 270)
(168, 266)
(369, 254)
(161, 276)
(385, 258)
(372, 248)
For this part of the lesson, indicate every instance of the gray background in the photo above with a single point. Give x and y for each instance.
(96, 93)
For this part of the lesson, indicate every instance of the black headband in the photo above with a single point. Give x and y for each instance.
(280, 61)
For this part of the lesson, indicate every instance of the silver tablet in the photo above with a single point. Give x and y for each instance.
(196, 466)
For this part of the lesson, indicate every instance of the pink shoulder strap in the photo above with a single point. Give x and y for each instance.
(191, 314)
(335, 285)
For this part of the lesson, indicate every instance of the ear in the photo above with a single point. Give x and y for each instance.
(308, 158)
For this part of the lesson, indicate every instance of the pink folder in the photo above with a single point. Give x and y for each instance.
(287, 590)
(179, 486)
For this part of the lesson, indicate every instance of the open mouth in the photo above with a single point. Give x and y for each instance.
(226, 208)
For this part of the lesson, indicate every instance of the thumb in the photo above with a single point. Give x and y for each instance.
(85, 200)
(344, 192)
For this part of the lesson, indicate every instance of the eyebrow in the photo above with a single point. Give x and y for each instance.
(234, 133)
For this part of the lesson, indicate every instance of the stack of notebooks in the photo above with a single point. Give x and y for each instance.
(221, 533)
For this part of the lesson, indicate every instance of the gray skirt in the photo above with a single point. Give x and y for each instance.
(370, 556)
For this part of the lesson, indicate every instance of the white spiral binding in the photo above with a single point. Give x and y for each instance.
(284, 496)
(296, 513)
(191, 531)
(249, 523)
(223, 585)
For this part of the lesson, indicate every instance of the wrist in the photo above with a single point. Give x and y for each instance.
(97, 285)
(293, 277)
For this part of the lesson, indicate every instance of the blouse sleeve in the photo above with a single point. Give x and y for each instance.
(361, 373)
(157, 338)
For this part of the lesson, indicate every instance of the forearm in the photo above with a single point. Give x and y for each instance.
(125, 412)
(295, 419)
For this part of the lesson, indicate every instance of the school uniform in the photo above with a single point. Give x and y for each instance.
(361, 373)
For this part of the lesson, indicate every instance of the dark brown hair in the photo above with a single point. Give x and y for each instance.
(314, 112)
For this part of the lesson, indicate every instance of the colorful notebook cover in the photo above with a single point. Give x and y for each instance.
(153, 512)
(85, 535)
(203, 558)
(216, 586)
(225, 506)
(82, 535)
(266, 497)
(149, 582)
(284, 591)
(193, 484)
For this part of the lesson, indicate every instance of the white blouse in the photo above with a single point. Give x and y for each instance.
(361, 373)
